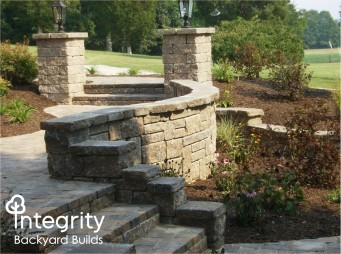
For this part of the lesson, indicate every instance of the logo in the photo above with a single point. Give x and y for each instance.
(16, 206)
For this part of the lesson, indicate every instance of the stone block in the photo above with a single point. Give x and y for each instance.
(198, 38)
(151, 119)
(103, 148)
(152, 138)
(101, 136)
(211, 215)
(132, 127)
(64, 165)
(124, 196)
(115, 131)
(174, 148)
(102, 202)
(168, 202)
(59, 142)
(174, 59)
(142, 197)
(108, 166)
(153, 153)
(166, 185)
(174, 39)
(136, 177)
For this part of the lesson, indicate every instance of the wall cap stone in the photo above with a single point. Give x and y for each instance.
(198, 94)
(174, 31)
(45, 36)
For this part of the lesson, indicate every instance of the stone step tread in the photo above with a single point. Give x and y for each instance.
(120, 221)
(166, 238)
(102, 147)
(118, 97)
(125, 85)
(124, 80)
(96, 248)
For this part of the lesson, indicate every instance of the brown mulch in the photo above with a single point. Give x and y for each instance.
(30, 94)
(316, 216)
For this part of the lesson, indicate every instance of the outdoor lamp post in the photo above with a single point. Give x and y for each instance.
(59, 12)
(186, 7)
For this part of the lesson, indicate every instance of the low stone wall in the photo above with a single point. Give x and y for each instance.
(178, 133)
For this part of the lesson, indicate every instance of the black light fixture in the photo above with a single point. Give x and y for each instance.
(186, 7)
(59, 12)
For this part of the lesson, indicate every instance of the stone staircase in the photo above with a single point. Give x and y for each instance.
(142, 212)
(122, 91)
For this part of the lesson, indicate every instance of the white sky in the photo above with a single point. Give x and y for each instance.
(333, 6)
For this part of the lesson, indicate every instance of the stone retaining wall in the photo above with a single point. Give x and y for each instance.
(177, 133)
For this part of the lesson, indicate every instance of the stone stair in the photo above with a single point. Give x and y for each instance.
(122, 92)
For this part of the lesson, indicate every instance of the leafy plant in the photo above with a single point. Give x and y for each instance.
(17, 63)
(18, 111)
(133, 72)
(315, 160)
(223, 71)
(3, 109)
(226, 99)
(92, 70)
(292, 78)
(4, 87)
(228, 133)
(334, 196)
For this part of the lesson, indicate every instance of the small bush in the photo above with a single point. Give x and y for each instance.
(292, 78)
(315, 160)
(17, 63)
(223, 72)
(133, 72)
(229, 133)
(3, 109)
(4, 87)
(18, 111)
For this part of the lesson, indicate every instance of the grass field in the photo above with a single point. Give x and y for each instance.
(324, 63)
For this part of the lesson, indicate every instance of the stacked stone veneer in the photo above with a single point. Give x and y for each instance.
(178, 133)
(61, 71)
(187, 54)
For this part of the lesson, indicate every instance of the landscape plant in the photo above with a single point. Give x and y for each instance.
(133, 72)
(18, 111)
(292, 78)
(92, 70)
(17, 63)
(225, 99)
(4, 87)
(314, 159)
(223, 71)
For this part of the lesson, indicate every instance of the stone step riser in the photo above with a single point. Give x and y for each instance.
(113, 89)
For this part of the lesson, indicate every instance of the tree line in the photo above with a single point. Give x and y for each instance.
(130, 26)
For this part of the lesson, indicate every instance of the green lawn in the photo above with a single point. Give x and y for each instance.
(140, 62)
(325, 65)
(326, 74)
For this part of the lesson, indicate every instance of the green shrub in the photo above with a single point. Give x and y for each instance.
(223, 72)
(229, 133)
(292, 78)
(315, 160)
(18, 111)
(3, 109)
(254, 45)
(17, 63)
(133, 72)
(4, 87)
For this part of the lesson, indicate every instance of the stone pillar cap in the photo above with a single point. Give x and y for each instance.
(44, 36)
(203, 30)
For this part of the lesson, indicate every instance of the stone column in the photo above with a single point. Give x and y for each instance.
(61, 70)
(187, 54)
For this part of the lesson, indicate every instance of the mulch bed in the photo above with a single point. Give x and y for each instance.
(316, 216)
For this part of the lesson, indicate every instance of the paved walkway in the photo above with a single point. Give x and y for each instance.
(24, 170)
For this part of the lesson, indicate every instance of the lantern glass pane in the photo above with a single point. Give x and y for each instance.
(190, 8)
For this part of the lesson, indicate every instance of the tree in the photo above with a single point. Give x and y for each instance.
(256, 44)
(321, 29)
(134, 21)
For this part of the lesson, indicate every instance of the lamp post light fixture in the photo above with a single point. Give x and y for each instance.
(59, 12)
(186, 7)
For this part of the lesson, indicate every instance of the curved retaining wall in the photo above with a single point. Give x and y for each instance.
(177, 133)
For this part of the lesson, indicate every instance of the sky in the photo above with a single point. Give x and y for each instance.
(333, 6)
